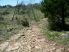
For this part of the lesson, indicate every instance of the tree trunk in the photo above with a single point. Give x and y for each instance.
(63, 22)
(63, 17)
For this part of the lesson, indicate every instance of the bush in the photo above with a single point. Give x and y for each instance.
(1, 18)
(54, 23)
(5, 13)
(25, 22)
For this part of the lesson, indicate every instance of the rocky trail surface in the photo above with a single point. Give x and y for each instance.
(31, 40)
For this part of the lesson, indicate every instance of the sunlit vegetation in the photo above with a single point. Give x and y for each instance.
(15, 18)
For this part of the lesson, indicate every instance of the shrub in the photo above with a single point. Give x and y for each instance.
(25, 22)
(1, 18)
(54, 23)
(5, 13)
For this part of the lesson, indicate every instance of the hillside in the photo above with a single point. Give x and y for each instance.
(31, 40)
(37, 27)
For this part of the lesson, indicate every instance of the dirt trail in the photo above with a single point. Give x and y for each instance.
(31, 40)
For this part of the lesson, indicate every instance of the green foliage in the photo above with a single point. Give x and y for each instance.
(5, 13)
(52, 35)
(55, 10)
(54, 7)
(1, 18)
(8, 6)
(54, 23)
(36, 6)
(62, 40)
(20, 8)
(25, 22)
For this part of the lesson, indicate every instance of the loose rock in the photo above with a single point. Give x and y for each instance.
(4, 45)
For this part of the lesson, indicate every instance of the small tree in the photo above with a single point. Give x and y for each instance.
(56, 8)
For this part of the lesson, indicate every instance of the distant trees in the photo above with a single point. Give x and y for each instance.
(32, 7)
(36, 6)
(4, 6)
(21, 9)
(55, 10)
(8, 6)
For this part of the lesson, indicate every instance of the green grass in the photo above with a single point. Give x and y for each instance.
(53, 35)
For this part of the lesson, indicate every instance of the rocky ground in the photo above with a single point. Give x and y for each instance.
(31, 40)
